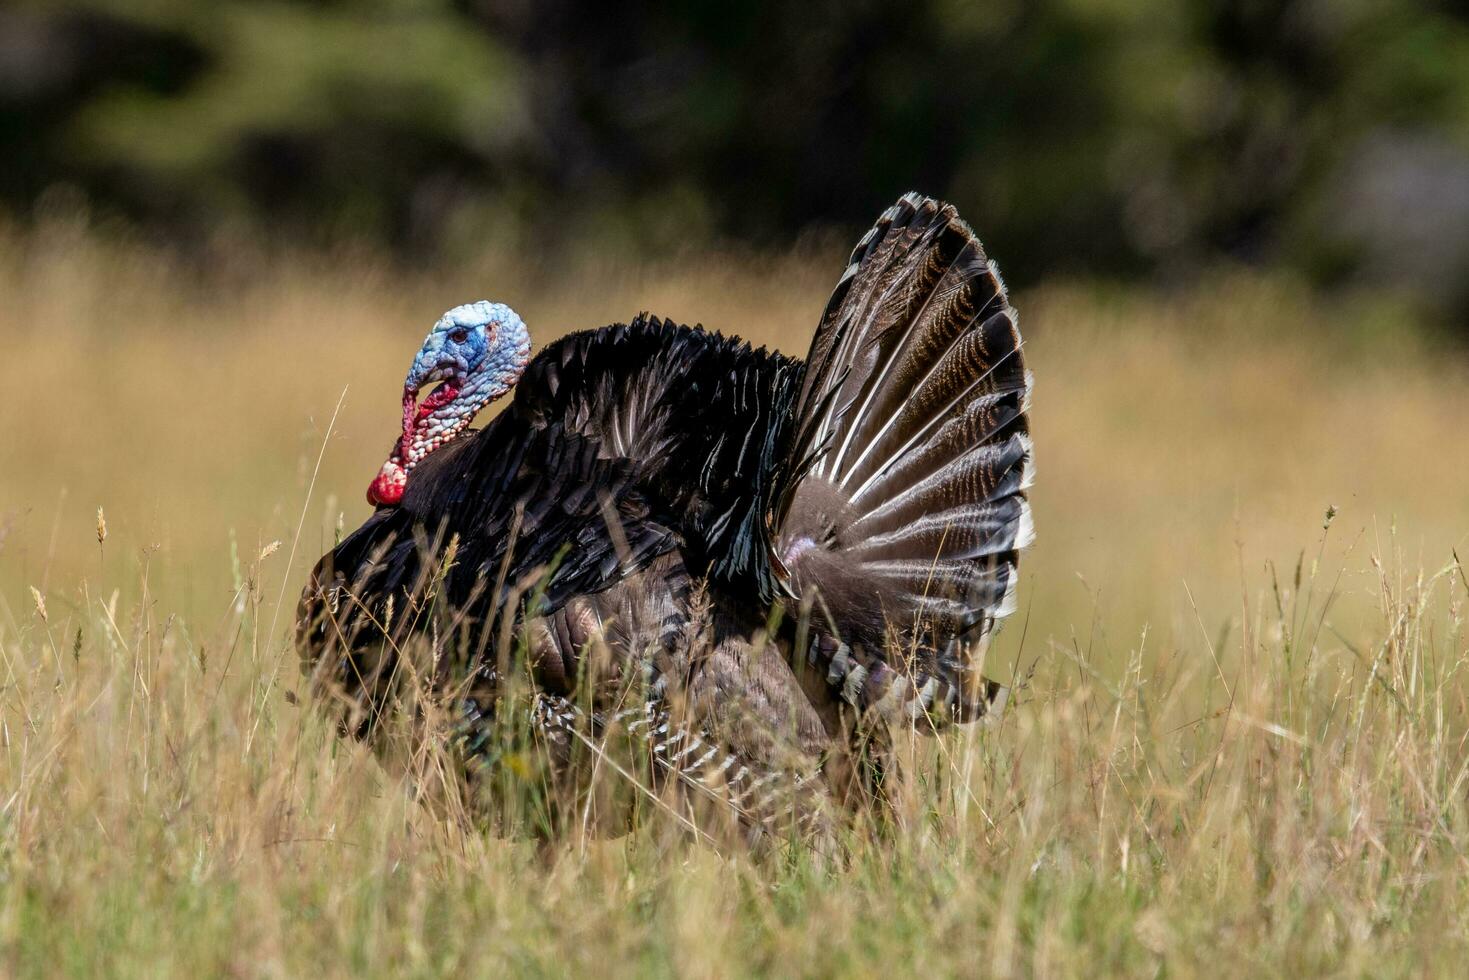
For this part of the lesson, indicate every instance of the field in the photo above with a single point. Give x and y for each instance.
(1240, 747)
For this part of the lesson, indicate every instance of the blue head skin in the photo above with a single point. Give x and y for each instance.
(476, 353)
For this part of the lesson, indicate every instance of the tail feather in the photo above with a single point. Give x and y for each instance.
(842, 354)
(923, 360)
(967, 534)
(913, 459)
(986, 421)
(980, 368)
(980, 483)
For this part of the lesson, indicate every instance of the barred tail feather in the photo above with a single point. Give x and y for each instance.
(913, 455)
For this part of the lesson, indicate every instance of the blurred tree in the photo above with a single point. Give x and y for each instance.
(349, 118)
(1115, 137)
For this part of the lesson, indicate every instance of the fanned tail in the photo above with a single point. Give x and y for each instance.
(912, 452)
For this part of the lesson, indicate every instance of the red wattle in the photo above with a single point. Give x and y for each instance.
(409, 407)
(438, 398)
(415, 413)
(386, 489)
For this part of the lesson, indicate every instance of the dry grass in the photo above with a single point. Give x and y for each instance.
(1242, 747)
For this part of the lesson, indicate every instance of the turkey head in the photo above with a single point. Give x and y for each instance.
(475, 353)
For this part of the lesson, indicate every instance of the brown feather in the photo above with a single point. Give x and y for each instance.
(905, 527)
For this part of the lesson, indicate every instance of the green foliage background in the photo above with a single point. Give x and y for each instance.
(1131, 138)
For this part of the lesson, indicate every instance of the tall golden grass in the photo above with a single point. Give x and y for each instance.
(1239, 746)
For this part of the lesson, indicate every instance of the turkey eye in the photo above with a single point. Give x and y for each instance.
(459, 336)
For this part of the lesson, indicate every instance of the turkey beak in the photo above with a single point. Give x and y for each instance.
(431, 364)
(415, 383)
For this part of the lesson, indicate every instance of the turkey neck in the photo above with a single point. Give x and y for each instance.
(440, 417)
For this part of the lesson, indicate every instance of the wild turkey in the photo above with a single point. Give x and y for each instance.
(653, 492)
